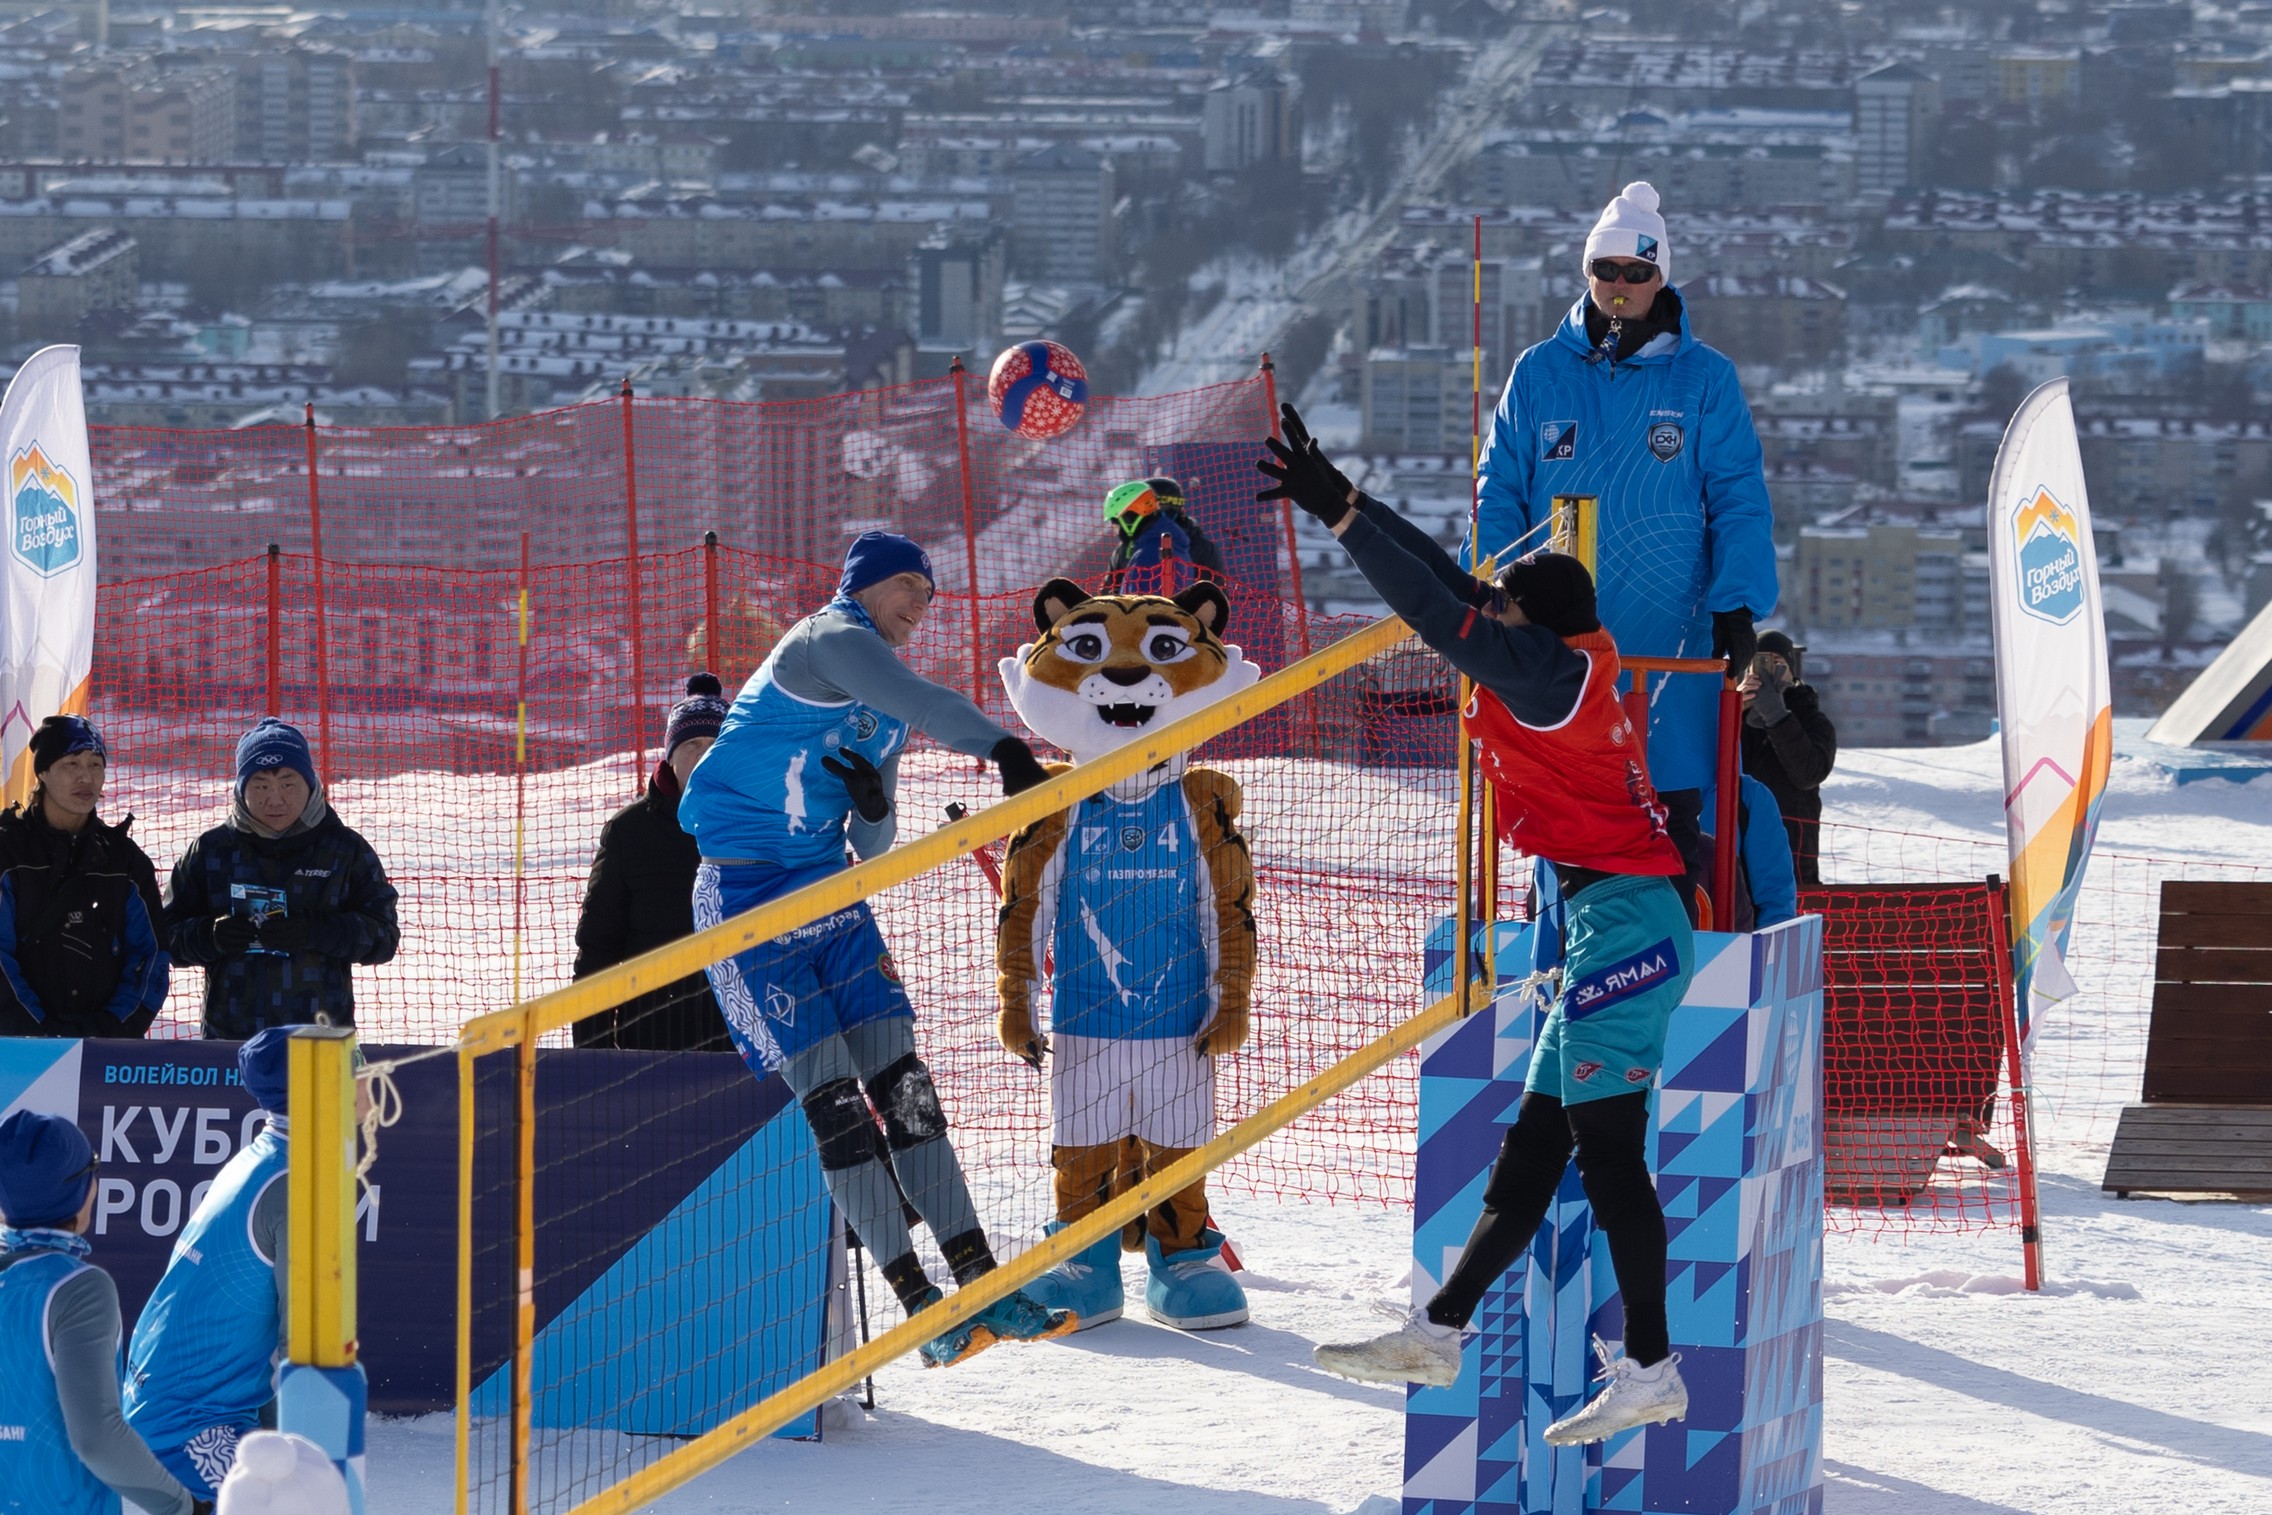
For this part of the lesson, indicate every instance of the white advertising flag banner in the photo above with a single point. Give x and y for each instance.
(2052, 693)
(47, 585)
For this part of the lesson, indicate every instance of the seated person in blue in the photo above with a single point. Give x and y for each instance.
(1767, 881)
(64, 1447)
(200, 1368)
(807, 759)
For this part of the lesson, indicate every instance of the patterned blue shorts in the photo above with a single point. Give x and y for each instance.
(795, 991)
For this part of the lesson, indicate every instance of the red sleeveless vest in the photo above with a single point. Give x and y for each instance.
(1576, 792)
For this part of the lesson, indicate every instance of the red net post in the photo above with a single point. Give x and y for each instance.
(275, 629)
(969, 527)
(633, 594)
(1724, 822)
(710, 602)
(2015, 1058)
(1269, 372)
(325, 765)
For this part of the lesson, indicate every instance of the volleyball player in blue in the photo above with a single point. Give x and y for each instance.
(201, 1367)
(807, 760)
(64, 1447)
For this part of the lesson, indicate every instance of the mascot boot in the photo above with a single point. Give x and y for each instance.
(1194, 1290)
(1087, 1283)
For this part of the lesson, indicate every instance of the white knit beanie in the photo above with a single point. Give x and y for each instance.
(1631, 228)
(278, 1473)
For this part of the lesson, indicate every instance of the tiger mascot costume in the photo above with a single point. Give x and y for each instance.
(1137, 907)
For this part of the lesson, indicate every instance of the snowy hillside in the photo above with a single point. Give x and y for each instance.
(2132, 1385)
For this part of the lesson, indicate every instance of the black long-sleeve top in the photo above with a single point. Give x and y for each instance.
(1532, 671)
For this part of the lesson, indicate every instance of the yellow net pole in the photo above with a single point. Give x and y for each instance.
(521, 776)
(320, 1184)
(465, 1279)
(694, 1458)
(524, 1316)
(1487, 833)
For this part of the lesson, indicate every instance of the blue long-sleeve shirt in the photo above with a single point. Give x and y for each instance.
(1663, 441)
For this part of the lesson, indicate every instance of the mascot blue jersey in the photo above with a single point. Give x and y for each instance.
(1134, 944)
(203, 1353)
(761, 794)
(1664, 442)
(38, 1469)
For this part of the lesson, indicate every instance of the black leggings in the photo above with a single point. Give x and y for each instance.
(1610, 1137)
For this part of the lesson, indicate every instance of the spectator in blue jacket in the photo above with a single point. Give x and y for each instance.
(79, 910)
(279, 903)
(1625, 405)
(1767, 881)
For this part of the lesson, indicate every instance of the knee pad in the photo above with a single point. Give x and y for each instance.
(842, 1127)
(909, 1104)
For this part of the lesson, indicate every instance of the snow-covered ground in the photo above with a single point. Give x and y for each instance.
(2134, 1384)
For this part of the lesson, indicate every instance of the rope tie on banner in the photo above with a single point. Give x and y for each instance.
(384, 1107)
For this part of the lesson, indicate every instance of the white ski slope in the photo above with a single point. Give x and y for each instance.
(2136, 1384)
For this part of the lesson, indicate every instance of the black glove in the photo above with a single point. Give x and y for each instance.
(1304, 474)
(1021, 770)
(233, 934)
(1733, 639)
(200, 1506)
(863, 782)
(1766, 703)
(287, 933)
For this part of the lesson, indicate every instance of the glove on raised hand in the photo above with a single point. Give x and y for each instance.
(1021, 770)
(1301, 472)
(1734, 640)
(863, 782)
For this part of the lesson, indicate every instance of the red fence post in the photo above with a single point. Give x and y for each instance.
(1724, 823)
(324, 765)
(710, 631)
(2015, 1066)
(275, 629)
(1269, 371)
(969, 529)
(631, 590)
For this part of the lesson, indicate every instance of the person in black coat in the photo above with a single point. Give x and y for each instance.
(1789, 745)
(641, 895)
(280, 902)
(80, 953)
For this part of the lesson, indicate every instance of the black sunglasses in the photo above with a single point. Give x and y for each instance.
(1610, 271)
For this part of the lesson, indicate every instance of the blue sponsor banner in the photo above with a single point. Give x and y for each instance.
(685, 1243)
(1736, 1147)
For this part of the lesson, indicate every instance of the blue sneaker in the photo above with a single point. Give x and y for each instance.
(963, 1340)
(1087, 1283)
(1021, 1317)
(1194, 1290)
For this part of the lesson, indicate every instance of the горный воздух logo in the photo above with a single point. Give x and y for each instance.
(43, 513)
(2050, 558)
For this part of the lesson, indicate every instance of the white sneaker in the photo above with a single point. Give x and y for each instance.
(1419, 1351)
(1636, 1396)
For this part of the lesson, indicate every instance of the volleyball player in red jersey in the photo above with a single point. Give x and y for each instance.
(1571, 790)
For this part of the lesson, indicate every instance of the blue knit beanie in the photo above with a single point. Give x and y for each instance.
(700, 714)
(271, 745)
(264, 1067)
(876, 556)
(46, 1168)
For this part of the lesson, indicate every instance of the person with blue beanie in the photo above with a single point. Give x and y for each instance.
(200, 1367)
(65, 1446)
(806, 763)
(80, 947)
(282, 900)
(1623, 405)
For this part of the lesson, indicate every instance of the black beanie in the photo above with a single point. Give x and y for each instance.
(700, 714)
(1554, 590)
(62, 736)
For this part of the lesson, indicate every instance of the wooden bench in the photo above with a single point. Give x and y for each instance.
(2205, 1124)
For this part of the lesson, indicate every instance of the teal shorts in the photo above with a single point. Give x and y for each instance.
(1627, 957)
